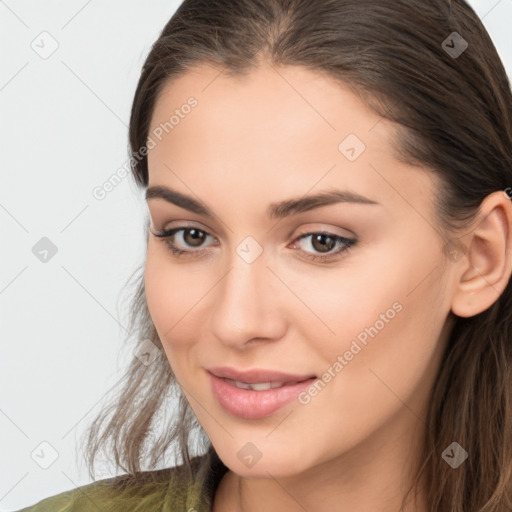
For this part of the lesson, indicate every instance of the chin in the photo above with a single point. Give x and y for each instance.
(274, 465)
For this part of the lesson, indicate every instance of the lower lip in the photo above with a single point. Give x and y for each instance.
(251, 404)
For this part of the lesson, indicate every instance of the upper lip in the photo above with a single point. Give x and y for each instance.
(257, 375)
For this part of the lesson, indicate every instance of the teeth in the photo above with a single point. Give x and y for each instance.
(261, 386)
(241, 385)
(257, 386)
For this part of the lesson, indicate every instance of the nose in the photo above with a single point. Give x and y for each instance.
(248, 304)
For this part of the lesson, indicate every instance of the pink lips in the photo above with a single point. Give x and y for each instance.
(253, 404)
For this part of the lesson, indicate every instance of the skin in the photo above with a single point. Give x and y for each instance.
(270, 136)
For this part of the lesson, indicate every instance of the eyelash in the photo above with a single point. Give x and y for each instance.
(167, 235)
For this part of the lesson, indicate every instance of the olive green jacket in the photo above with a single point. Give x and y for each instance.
(164, 490)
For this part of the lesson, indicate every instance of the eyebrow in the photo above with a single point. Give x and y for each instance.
(275, 210)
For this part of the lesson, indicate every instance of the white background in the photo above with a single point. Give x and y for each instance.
(63, 132)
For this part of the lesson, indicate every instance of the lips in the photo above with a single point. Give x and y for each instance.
(258, 375)
(255, 393)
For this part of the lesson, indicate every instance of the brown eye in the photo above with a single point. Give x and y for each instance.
(182, 240)
(195, 238)
(322, 242)
(324, 246)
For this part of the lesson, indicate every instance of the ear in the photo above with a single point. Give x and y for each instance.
(484, 272)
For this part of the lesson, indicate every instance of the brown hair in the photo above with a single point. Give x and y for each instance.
(454, 117)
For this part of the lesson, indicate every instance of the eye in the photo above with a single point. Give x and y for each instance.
(190, 236)
(324, 242)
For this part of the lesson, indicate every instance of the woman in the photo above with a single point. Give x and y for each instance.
(327, 278)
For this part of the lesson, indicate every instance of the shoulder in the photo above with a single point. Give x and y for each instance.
(147, 490)
(150, 486)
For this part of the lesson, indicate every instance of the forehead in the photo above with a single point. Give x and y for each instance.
(274, 129)
(289, 99)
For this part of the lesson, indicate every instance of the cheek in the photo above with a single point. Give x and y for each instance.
(381, 312)
(167, 302)
(346, 303)
(166, 293)
(174, 295)
(388, 336)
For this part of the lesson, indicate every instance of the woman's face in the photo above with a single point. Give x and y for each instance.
(367, 323)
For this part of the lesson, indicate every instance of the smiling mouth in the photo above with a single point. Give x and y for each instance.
(260, 386)
(258, 376)
(258, 399)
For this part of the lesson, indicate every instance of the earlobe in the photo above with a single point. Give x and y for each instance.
(484, 272)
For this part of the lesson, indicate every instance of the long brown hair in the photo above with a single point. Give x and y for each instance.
(454, 118)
